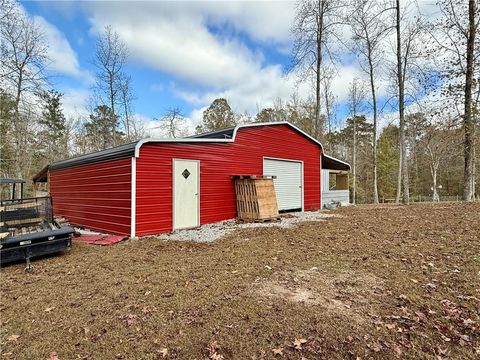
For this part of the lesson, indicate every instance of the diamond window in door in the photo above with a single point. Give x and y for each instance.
(186, 173)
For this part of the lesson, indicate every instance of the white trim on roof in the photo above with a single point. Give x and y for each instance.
(235, 130)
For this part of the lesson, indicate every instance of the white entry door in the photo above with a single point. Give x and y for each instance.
(288, 184)
(186, 194)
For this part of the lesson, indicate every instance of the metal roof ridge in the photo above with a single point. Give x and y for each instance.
(232, 139)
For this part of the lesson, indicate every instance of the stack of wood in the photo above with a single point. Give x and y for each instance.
(256, 199)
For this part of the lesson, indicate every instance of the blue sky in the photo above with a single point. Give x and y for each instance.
(183, 54)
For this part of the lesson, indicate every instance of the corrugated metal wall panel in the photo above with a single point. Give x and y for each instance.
(217, 163)
(325, 180)
(288, 182)
(95, 196)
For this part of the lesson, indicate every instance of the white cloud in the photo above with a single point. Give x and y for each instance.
(179, 44)
(181, 39)
(177, 38)
(155, 129)
(263, 21)
(75, 102)
(63, 58)
(202, 45)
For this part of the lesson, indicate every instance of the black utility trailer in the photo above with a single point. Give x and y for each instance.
(27, 227)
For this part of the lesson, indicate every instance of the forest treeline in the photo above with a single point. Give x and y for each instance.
(409, 126)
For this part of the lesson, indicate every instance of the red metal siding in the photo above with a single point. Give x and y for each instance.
(218, 161)
(95, 196)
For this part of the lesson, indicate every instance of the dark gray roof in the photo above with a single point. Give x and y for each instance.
(11, 181)
(331, 163)
(128, 150)
(219, 134)
(118, 152)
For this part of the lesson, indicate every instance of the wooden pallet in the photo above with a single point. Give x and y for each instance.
(256, 199)
(266, 220)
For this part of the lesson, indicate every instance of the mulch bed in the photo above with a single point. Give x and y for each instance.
(372, 282)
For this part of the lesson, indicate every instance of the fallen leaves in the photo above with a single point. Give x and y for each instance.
(129, 319)
(298, 342)
(13, 338)
(164, 352)
(213, 350)
(278, 351)
(423, 322)
(53, 356)
(397, 350)
(390, 326)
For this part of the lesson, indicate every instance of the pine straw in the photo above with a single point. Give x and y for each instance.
(380, 282)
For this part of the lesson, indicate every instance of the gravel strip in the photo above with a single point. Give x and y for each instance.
(215, 231)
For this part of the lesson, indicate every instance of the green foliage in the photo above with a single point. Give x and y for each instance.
(388, 162)
(266, 115)
(7, 150)
(364, 131)
(52, 139)
(218, 116)
(99, 130)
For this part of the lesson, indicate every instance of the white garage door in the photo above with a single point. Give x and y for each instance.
(288, 184)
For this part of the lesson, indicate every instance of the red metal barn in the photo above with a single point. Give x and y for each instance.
(157, 186)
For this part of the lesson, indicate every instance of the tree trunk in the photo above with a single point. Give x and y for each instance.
(19, 134)
(354, 159)
(468, 121)
(318, 68)
(374, 101)
(112, 106)
(127, 118)
(402, 180)
(435, 196)
(474, 166)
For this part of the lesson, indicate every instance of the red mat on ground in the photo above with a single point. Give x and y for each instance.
(101, 239)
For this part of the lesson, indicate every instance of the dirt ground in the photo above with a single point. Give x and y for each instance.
(371, 282)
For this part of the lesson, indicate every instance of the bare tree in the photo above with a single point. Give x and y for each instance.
(137, 128)
(437, 143)
(23, 56)
(111, 85)
(409, 51)
(172, 122)
(356, 97)
(8, 7)
(369, 31)
(316, 33)
(455, 34)
(126, 99)
(330, 100)
(469, 125)
(23, 63)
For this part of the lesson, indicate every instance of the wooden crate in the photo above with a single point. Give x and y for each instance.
(256, 199)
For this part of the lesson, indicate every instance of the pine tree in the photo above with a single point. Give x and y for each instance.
(218, 116)
(99, 129)
(52, 137)
(7, 149)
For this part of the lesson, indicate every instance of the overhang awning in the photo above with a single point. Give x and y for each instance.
(11, 181)
(42, 175)
(331, 163)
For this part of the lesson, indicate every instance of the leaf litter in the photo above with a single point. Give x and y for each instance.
(333, 289)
